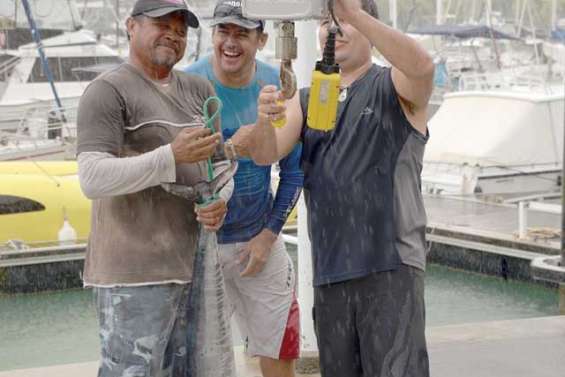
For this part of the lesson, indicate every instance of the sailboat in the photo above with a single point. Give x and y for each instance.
(499, 130)
(41, 83)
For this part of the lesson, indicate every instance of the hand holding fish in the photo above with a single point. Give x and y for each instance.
(212, 215)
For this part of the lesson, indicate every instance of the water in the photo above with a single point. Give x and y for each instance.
(47, 329)
(60, 327)
(455, 297)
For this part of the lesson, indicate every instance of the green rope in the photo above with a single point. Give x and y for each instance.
(209, 121)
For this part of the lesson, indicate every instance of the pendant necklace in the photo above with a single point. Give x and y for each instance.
(342, 94)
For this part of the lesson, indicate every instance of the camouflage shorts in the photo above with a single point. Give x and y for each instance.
(143, 330)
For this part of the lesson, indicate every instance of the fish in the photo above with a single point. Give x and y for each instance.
(210, 347)
(209, 337)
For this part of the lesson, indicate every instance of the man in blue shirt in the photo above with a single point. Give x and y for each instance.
(259, 274)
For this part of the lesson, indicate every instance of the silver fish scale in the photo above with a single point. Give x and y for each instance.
(210, 352)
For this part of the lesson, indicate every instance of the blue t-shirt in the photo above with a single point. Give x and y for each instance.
(251, 207)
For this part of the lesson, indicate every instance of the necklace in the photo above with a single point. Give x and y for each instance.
(342, 94)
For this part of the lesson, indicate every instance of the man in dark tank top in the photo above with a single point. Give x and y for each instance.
(366, 217)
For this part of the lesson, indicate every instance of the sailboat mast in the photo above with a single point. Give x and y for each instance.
(117, 23)
(392, 5)
(553, 15)
(42, 57)
(488, 12)
(439, 12)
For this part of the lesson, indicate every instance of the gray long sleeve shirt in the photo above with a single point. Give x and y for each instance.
(103, 175)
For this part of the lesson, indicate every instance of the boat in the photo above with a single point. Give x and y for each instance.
(36, 197)
(32, 126)
(22, 147)
(498, 140)
(467, 50)
(27, 88)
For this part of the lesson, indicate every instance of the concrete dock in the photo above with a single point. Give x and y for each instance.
(491, 222)
(520, 348)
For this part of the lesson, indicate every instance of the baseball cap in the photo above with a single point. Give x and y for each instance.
(158, 8)
(230, 12)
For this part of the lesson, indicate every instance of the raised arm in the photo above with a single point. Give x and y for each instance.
(412, 66)
(270, 144)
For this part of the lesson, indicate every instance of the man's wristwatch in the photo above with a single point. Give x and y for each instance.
(229, 149)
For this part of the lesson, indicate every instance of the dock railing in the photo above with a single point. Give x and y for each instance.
(545, 268)
(525, 206)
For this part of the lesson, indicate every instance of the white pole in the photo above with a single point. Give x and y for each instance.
(518, 6)
(553, 15)
(439, 12)
(472, 18)
(305, 288)
(524, 6)
(533, 28)
(489, 12)
(307, 53)
(522, 220)
(393, 10)
(306, 31)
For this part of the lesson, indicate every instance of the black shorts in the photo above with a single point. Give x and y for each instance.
(373, 326)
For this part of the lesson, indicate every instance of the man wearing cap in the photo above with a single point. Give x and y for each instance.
(367, 224)
(140, 126)
(259, 274)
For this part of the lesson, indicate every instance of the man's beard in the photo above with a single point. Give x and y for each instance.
(166, 60)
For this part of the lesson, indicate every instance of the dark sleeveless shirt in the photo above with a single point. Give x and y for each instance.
(350, 188)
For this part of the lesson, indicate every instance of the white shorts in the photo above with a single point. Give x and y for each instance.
(265, 306)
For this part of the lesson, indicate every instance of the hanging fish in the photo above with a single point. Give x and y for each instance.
(209, 344)
(210, 348)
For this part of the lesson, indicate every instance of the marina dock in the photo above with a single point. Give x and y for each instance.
(462, 232)
(518, 348)
(485, 237)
